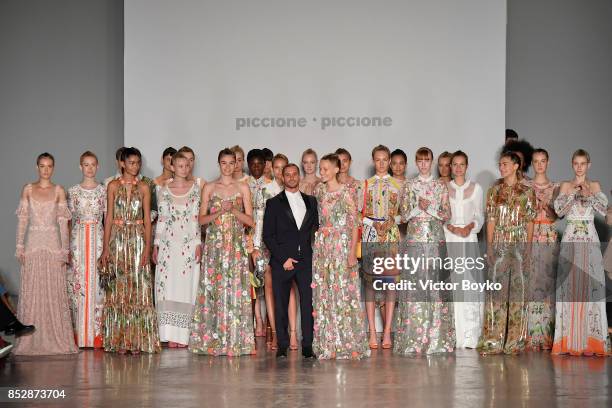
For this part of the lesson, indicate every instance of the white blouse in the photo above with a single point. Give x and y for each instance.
(466, 205)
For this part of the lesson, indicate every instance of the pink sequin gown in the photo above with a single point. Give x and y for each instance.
(42, 236)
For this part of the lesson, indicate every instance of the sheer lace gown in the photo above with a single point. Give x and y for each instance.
(466, 207)
(177, 274)
(42, 237)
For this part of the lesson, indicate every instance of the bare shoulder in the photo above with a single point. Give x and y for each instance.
(595, 186)
(243, 187)
(565, 186)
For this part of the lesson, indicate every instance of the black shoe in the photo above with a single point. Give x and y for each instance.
(307, 352)
(281, 352)
(18, 329)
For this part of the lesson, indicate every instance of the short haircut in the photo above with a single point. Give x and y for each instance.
(130, 151)
(119, 153)
(237, 149)
(423, 153)
(342, 150)
(511, 134)
(309, 151)
(168, 151)
(177, 156)
(541, 151)
(288, 165)
(445, 155)
(381, 148)
(280, 156)
(269, 156)
(332, 158)
(581, 153)
(85, 154)
(45, 155)
(186, 149)
(225, 152)
(255, 154)
(459, 153)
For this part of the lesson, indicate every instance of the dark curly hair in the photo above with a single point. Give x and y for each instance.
(520, 146)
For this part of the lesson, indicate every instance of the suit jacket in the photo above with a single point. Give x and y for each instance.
(281, 234)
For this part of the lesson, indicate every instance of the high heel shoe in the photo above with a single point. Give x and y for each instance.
(292, 336)
(373, 344)
(386, 346)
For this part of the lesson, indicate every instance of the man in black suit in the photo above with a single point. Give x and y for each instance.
(290, 220)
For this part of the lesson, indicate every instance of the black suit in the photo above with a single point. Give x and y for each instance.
(284, 240)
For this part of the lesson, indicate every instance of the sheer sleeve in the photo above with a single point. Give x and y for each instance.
(22, 221)
(63, 215)
(530, 205)
(352, 220)
(408, 207)
(440, 209)
(563, 203)
(491, 196)
(70, 201)
(599, 202)
(478, 216)
(162, 218)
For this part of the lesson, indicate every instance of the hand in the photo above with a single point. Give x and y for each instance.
(255, 255)
(21, 258)
(423, 204)
(288, 265)
(198, 254)
(227, 206)
(146, 255)
(380, 228)
(104, 256)
(352, 259)
(154, 254)
(586, 189)
(467, 230)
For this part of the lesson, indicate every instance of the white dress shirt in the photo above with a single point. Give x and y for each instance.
(298, 207)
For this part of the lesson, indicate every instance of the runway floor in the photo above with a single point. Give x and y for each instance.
(177, 378)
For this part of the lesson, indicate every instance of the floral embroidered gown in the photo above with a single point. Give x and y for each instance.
(510, 208)
(130, 320)
(580, 323)
(177, 274)
(541, 307)
(87, 298)
(43, 239)
(425, 325)
(379, 199)
(223, 321)
(338, 317)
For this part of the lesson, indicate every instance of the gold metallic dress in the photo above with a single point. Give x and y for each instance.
(129, 314)
(511, 209)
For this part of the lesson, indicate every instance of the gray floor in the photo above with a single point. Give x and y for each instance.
(176, 378)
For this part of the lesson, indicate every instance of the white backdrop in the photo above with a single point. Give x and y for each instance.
(434, 69)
